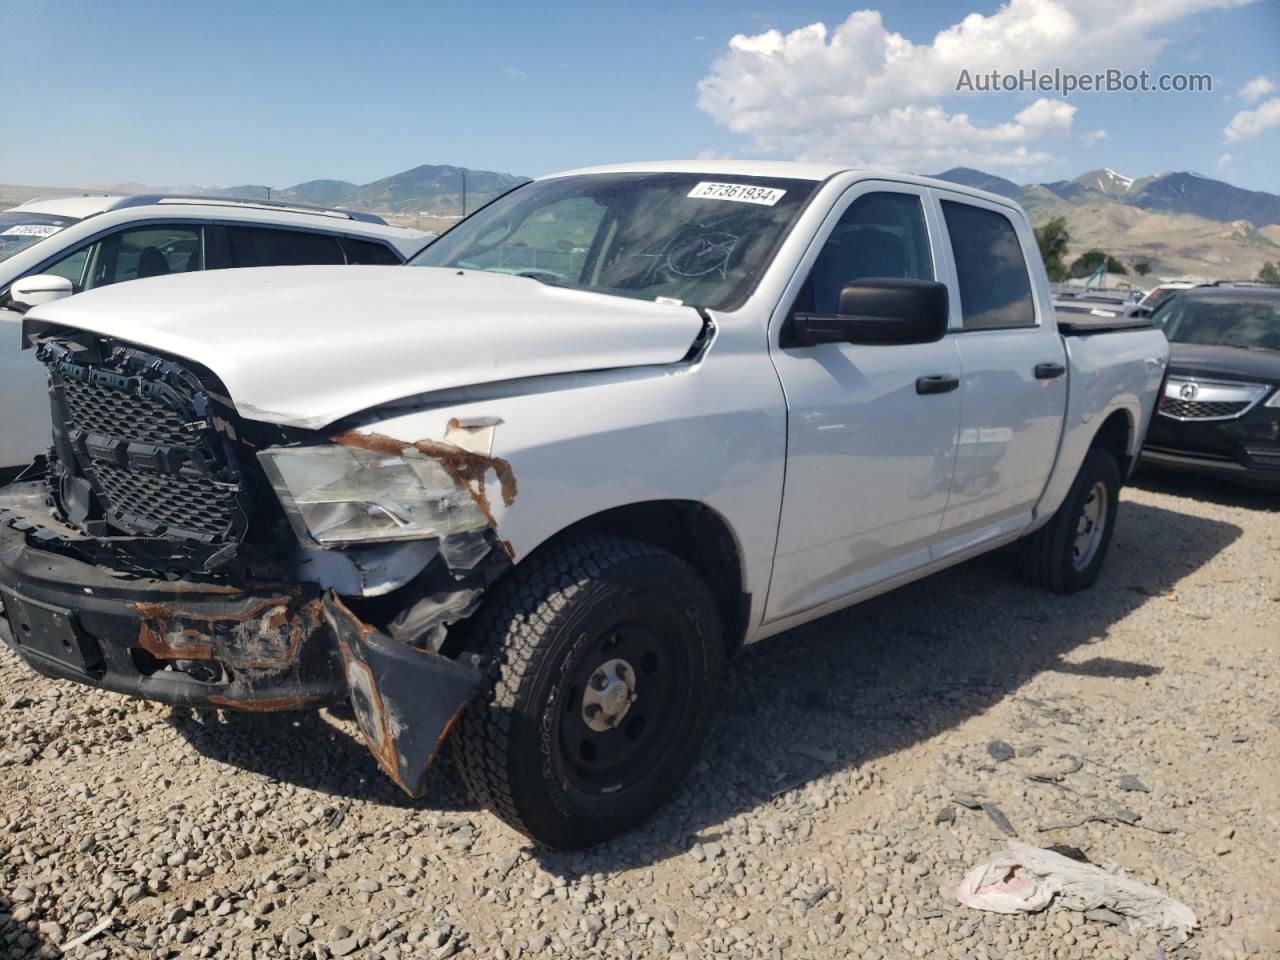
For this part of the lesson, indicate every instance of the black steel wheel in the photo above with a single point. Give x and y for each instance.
(1067, 553)
(610, 658)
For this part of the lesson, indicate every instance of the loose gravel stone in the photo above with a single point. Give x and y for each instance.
(836, 805)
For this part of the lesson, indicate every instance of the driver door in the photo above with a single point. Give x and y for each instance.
(871, 441)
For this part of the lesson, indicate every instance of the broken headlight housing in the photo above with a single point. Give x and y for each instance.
(341, 495)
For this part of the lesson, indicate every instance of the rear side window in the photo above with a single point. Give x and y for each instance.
(265, 247)
(995, 288)
(368, 252)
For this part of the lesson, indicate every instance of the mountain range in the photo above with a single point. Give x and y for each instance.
(1174, 193)
(1177, 223)
(429, 188)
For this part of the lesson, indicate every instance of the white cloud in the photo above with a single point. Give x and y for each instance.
(1250, 123)
(863, 93)
(1095, 136)
(1224, 161)
(515, 74)
(1256, 89)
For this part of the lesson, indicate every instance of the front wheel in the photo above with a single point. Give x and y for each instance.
(1066, 554)
(609, 660)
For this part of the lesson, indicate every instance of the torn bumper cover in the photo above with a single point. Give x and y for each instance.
(260, 647)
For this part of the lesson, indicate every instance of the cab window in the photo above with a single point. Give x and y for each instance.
(882, 234)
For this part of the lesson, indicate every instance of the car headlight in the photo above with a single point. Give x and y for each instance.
(1275, 399)
(339, 494)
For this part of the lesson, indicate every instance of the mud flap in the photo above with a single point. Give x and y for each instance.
(405, 700)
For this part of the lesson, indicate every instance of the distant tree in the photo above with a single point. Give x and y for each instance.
(1270, 273)
(1142, 269)
(1090, 260)
(1052, 239)
(1087, 262)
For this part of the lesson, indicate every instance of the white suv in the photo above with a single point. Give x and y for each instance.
(59, 247)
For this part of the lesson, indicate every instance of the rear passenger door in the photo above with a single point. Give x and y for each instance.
(1013, 384)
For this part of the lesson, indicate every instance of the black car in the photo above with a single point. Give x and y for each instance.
(1220, 411)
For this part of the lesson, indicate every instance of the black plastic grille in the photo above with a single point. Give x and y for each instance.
(144, 431)
(1199, 410)
(188, 503)
(98, 408)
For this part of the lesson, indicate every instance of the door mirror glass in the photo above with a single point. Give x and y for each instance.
(880, 311)
(39, 288)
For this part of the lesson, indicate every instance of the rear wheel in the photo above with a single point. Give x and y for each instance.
(609, 660)
(1066, 554)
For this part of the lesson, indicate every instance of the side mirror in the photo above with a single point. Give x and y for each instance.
(39, 288)
(878, 310)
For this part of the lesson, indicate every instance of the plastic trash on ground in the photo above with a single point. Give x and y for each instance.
(1027, 879)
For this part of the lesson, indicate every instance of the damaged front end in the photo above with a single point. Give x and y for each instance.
(180, 553)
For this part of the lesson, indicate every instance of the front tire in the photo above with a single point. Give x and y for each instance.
(609, 661)
(1066, 554)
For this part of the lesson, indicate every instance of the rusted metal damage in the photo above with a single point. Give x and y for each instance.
(260, 646)
(272, 705)
(406, 699)
(467, 468)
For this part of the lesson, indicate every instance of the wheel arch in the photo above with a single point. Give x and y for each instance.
(1116, 437)
(694, 532)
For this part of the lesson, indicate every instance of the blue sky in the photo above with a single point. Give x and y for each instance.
(276, 93)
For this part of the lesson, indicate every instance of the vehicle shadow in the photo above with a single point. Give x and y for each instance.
(1209, 489)
(898, 669)
(321, 750)
(833, 694)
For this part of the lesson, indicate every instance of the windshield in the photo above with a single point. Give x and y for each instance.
(696, 239)
(1251, 322)
(19, 230)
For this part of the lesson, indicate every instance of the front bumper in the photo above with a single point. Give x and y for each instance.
(259, 647)
(1180, 461)
(1245, 449)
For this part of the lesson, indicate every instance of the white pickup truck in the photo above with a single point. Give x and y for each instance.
(529, 492)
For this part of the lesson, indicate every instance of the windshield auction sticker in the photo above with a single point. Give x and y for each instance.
(739, 192)
(30, 230)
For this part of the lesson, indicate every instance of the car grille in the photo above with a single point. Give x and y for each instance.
(1197, 410)
(144, 434)
(172, 501)
(1190, 398)
(100, 409)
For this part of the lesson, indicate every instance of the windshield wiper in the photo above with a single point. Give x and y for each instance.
(544, 277)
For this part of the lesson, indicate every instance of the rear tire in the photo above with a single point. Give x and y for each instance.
(1067, 553)
(609, 658)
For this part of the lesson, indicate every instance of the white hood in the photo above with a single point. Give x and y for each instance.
(305, 346)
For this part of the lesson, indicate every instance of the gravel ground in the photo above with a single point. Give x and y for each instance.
(821, 821)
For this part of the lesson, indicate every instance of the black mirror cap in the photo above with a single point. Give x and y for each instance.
(878, 311)
(895, 310)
